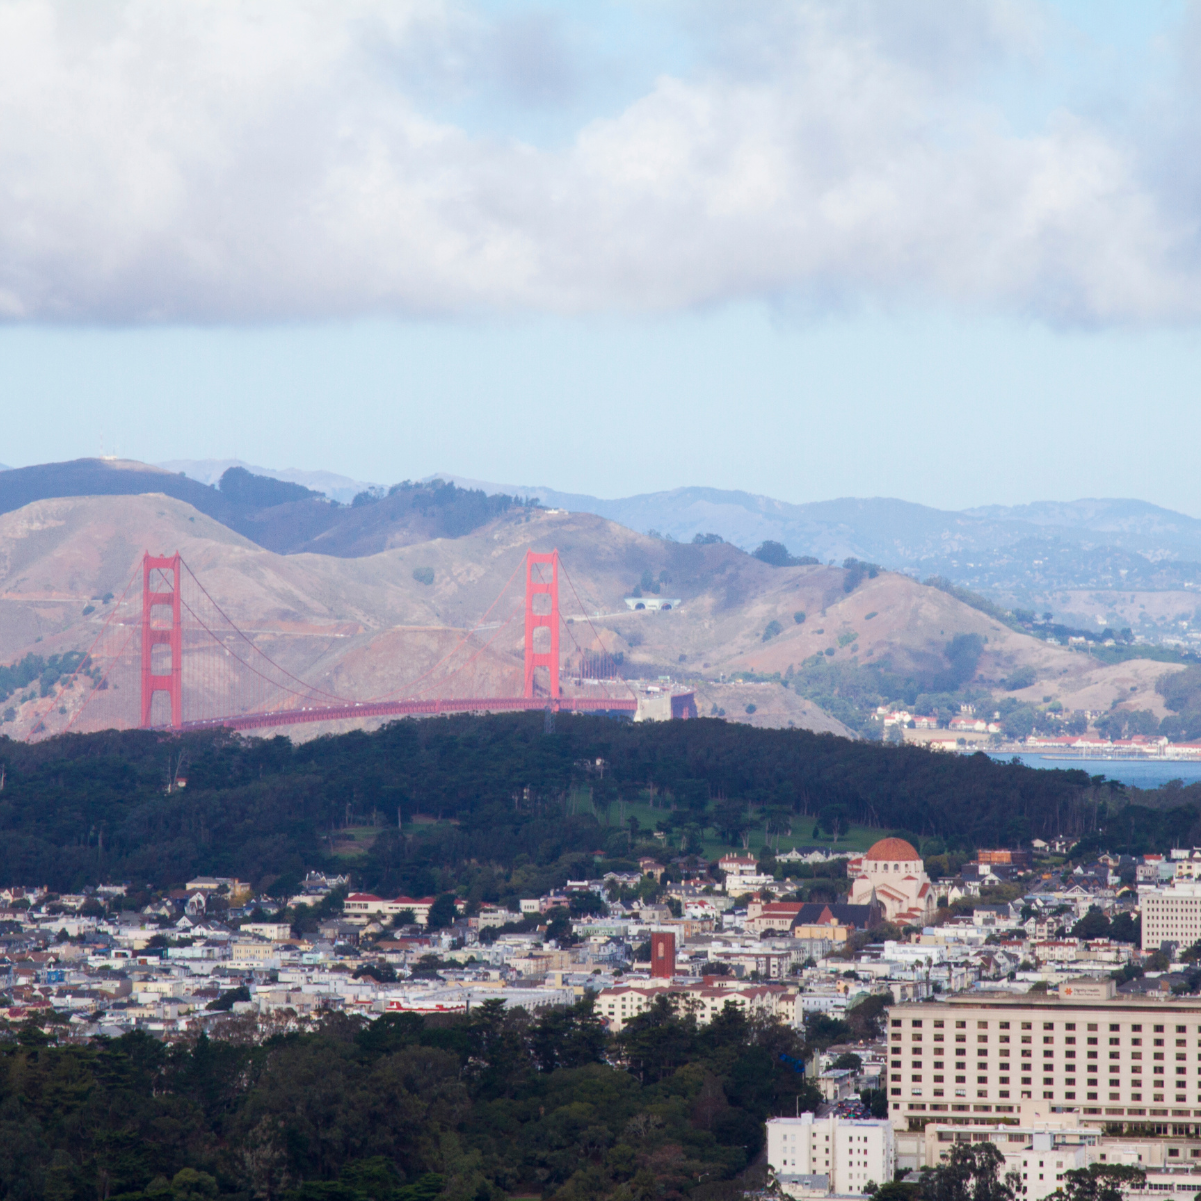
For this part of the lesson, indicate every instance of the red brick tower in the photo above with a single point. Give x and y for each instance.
(663, 955)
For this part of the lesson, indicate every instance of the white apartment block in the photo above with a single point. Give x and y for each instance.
(1171, 914)
(618, 1005)
(1038, 1156)
(361, 906)
(850, 1154)
(1043, 1147)
(1103, 1058)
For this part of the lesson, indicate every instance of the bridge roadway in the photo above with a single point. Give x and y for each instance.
(492, 704)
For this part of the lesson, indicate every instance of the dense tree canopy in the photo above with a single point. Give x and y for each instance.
(398, 1110)
(81, 807)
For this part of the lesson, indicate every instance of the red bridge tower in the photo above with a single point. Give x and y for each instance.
(533, 621)
(161, 635)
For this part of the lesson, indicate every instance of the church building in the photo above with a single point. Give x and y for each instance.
(893, 874)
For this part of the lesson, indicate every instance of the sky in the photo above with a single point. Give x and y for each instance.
(942, 252)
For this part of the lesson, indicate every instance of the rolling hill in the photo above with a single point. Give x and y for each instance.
(1048, 556)
(278, 514)
(895, 532)
(368, 625)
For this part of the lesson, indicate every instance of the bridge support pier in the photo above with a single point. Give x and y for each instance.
(170, 682)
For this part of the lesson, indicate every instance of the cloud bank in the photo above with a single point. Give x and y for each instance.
(242, 162)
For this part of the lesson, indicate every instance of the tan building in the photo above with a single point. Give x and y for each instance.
(254, 954)
(1105, 1058)
(892, 873)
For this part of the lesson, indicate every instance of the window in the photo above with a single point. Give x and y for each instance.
(1026, 1026)
(916, 1022)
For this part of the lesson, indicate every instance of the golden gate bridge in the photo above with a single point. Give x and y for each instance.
(169, 657)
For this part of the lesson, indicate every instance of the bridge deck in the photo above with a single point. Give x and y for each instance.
(494, 704)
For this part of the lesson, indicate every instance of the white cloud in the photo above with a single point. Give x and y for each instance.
(237, 161)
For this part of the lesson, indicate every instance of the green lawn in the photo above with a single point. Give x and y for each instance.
(859, 838)
(354, 841)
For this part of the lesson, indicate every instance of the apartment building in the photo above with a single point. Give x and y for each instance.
(851, 1154)
(366, 905)
(1040, 1156)
(1043, 1147)
(1108, 1059)
(1171, 914)
(616, 1006)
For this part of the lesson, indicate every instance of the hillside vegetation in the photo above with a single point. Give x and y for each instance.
(81, 808)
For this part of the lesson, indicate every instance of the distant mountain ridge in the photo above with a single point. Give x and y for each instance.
(1020, 554)
(208, 471)
(897, 533)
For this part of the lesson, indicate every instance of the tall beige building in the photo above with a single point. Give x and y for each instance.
(1085, 1051)
(1171, 914)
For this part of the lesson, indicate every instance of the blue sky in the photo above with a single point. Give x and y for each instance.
(942, 253)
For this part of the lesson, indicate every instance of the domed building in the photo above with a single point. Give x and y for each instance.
(893, 874)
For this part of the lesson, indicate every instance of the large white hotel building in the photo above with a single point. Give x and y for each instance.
(975, 1058)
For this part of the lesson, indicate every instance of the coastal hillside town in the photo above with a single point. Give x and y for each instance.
(1048, 729)
(1046, 1002)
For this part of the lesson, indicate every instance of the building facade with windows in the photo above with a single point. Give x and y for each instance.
(974, 1058)
(618, 1005)
(1171, 914)
(850, 1153)
(1039, 1157)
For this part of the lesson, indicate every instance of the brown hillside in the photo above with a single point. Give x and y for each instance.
(366, 627)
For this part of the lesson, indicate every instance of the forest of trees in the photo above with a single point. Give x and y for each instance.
(83, 808)
(468, 1109)
(478, 1108)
